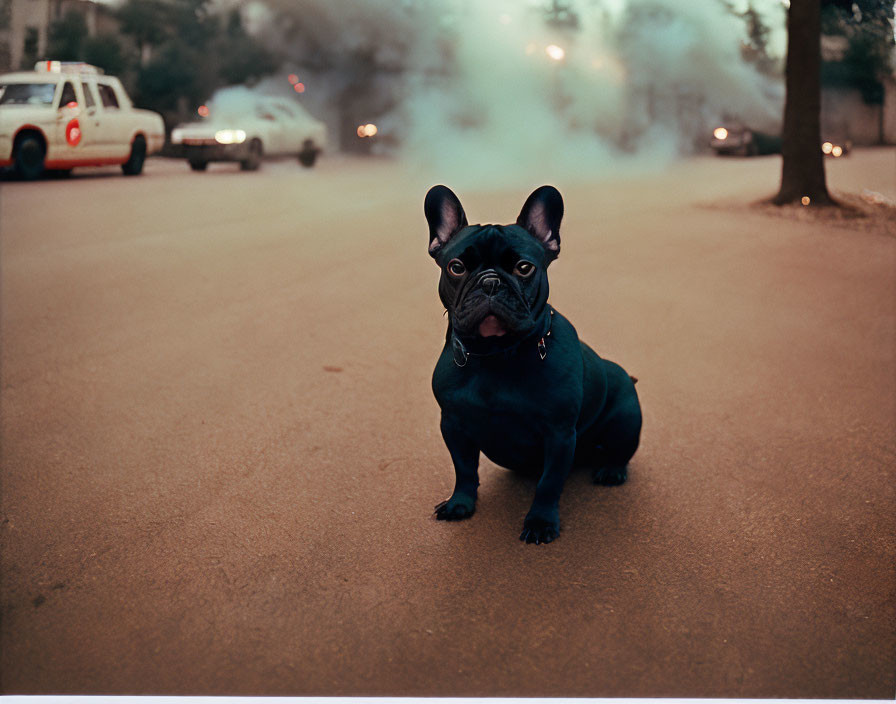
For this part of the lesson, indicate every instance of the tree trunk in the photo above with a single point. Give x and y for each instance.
(802, 172)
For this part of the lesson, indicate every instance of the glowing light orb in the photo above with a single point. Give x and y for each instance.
(837, 151)
(827, 147)
(299, 87)
(555, 52)
(720, 133)
(368, 130)
(203, 111)
(805, 200)
(292, 78)
(230, 136)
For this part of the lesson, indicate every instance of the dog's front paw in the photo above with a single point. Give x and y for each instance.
(540, 529)
(458, 507)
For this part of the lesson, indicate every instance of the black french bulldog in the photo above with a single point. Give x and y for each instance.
(513, 380)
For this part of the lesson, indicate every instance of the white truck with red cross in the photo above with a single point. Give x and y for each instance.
(63, 115)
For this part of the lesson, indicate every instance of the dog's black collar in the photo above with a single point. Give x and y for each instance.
(462, 354)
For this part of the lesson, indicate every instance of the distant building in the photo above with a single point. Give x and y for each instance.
(845, 114)
(25, 27)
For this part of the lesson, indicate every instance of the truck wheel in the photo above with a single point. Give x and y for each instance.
(309, 153)
(198, 165)
(134, 165)
(29, 157)
(253, 161)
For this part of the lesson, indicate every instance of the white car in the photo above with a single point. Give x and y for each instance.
(63, 115)
(238, 125)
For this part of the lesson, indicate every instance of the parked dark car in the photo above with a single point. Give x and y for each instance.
(743, 141)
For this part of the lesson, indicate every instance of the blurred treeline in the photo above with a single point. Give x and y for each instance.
(170, 54)
(862, 30)
(866, 28)
(173, 54)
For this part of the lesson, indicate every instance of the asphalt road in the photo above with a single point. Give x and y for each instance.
(220, 451)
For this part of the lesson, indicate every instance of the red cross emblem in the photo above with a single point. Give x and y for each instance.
(73, 133)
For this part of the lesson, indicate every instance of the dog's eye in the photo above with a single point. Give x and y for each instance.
(456, 267)
(524, 269)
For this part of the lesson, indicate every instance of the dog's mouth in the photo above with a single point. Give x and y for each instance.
(491, 326)
(494, 320)
(490, 323)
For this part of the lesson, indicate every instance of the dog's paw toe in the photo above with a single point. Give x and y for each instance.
(455, 509)
(539, 530)
(610, 476)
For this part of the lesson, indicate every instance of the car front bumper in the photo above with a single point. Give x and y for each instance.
(212, 151)
(728, 146)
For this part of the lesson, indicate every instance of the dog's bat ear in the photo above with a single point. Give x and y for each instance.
(445, 216)
(541, 216)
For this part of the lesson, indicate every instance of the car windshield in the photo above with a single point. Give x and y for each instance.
(27, 93)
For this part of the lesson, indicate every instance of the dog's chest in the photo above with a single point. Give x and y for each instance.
(488, 402)
(479, 393)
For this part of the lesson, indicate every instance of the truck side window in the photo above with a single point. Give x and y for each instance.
(88, 95)
(68, 95)
(107, 95)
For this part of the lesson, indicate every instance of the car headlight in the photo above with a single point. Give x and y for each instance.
(720, 133)
(230, 136)
(176, 136)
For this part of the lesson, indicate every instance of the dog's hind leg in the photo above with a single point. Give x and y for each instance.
(610, 474)
(608, 448)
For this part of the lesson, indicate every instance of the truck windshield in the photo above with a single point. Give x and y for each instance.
(27, 93)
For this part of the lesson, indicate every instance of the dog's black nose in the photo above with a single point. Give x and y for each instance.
(490, 284)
